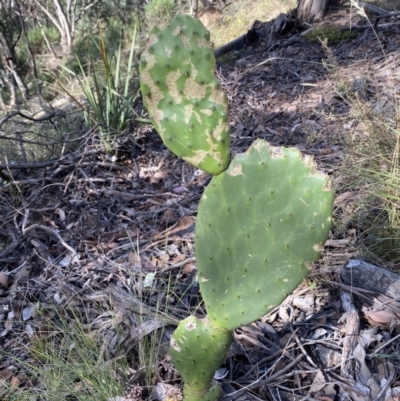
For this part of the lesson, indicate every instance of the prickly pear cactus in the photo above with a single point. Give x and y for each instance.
(258, 225)
(260, 221)
(182, 95)
(197, 350)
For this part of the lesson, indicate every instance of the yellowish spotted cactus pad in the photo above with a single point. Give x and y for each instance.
(184, 99)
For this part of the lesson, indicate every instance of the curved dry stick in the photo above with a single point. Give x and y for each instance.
(54, 232)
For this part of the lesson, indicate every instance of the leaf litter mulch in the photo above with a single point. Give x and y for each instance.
(112, 244)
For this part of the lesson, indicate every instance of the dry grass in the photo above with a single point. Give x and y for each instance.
(240, 15)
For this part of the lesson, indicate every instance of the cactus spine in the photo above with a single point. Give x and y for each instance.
(261, 221)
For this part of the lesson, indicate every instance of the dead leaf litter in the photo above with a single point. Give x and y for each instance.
(112, 244)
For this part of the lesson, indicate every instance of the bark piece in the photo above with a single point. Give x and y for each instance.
(352, 330)
(360, 274)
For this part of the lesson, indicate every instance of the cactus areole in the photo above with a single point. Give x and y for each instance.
(184, 99)
(263, 218)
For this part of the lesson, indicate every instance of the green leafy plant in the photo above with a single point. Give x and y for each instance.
(331, 34)
(108, 94)
(263, 218)
(37, 40)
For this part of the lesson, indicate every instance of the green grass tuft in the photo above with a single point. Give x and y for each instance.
(332, 34)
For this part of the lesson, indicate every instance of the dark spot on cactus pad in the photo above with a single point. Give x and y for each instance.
(157, 82)
(186, 73)
(170, 102)
(191, 126)
(166, 66)
(286, 245)
(196, 104)
(151, 49)
(160, 36)
(202, 82)
(265, 260)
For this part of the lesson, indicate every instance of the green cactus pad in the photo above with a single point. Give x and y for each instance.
(213, 393)
(259, 223)
(197, 350)
(184, 99)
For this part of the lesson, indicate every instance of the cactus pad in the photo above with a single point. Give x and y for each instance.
(259, 223)
(182, 95)
(197, 350)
